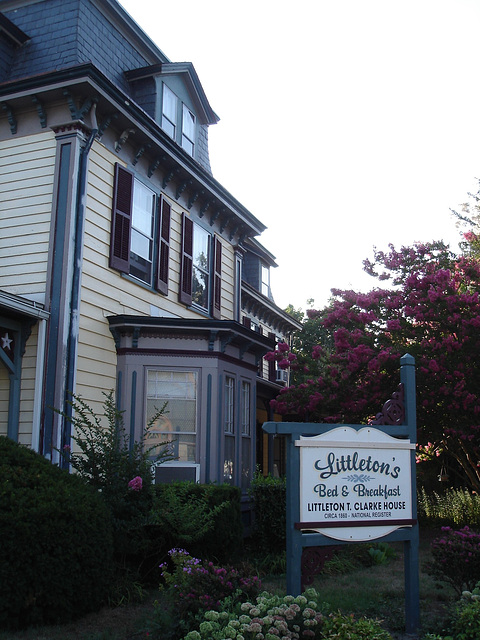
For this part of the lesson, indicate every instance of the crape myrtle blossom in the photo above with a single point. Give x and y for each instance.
(347, 355)
(136, 484)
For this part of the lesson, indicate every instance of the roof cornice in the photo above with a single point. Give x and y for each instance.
(142, 122)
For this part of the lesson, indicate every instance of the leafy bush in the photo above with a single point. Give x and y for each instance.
(465, 620)
(55, 541)
(204, 518)
(192, 585)
(454, 507)
(269, 530)
(275, 617)
(119, 470)
(456, 558)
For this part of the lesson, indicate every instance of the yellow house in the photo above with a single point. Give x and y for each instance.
(121, 257)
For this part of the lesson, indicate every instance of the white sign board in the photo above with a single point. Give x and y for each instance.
(355, 485)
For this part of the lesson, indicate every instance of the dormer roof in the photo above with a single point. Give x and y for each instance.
(191, 80)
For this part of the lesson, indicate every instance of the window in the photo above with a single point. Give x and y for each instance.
(265, 281)
(229, 430)
(188, 130)
(201, 276)
(140, 238)
(246, 428)
(178, 424)
(201, 267)
(182, 131)
(141, 244)
(169, 111)
(246, 436)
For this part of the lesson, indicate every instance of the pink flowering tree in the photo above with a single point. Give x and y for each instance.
(345, 362)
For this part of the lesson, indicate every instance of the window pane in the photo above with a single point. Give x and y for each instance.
(187, 145)
(201, 246)
(177, 425)
(188, 130)
(201, 267)
(143, 207)
(229, 426)
(169, 111)
(188, 123)
(245, 408)
(246, 466)
(141, 240)
(169, 104)
(265, 280)
(140, 245)
(228, 465)
(200, 288)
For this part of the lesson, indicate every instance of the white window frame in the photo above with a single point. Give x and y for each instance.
(142, 233)
(265, 280)
(169, 111)
(189, 123)
(169, 434)
(202, 270)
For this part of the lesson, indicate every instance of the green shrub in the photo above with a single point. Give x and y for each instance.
(275, 617)
(457, 507)
(55, 542)
(205, 519)
(119, 470)
(269, 530)
(192, 586)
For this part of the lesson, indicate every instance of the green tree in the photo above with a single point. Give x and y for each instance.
(432, 311)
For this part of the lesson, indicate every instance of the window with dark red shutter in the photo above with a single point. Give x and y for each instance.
(163, 247)
(121, 219)
(187, 261)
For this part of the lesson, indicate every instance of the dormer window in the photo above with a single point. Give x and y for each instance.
(178, 120)
(188, 130)
(265, 277)
(169, 111)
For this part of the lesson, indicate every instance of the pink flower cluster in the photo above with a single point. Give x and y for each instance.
(136, 484)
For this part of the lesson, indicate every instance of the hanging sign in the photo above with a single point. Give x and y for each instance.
(355, 485)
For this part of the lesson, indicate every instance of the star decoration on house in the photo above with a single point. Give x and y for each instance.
(6, 342)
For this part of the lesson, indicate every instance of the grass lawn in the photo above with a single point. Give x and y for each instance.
(375, 591)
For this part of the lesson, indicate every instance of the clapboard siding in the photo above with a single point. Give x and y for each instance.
(106, 292)
(26, 184)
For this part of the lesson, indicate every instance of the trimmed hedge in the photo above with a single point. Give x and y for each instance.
(55, 542)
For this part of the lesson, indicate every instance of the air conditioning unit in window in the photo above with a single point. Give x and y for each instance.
(175, 472)
(281, 375)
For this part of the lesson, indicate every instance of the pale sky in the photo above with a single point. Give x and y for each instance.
(344, 124)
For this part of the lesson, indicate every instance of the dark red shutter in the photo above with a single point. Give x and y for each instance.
(121, 219)
(217, 280)
(247, 322)
(272, 366)
(163, 247)
(187, 261)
